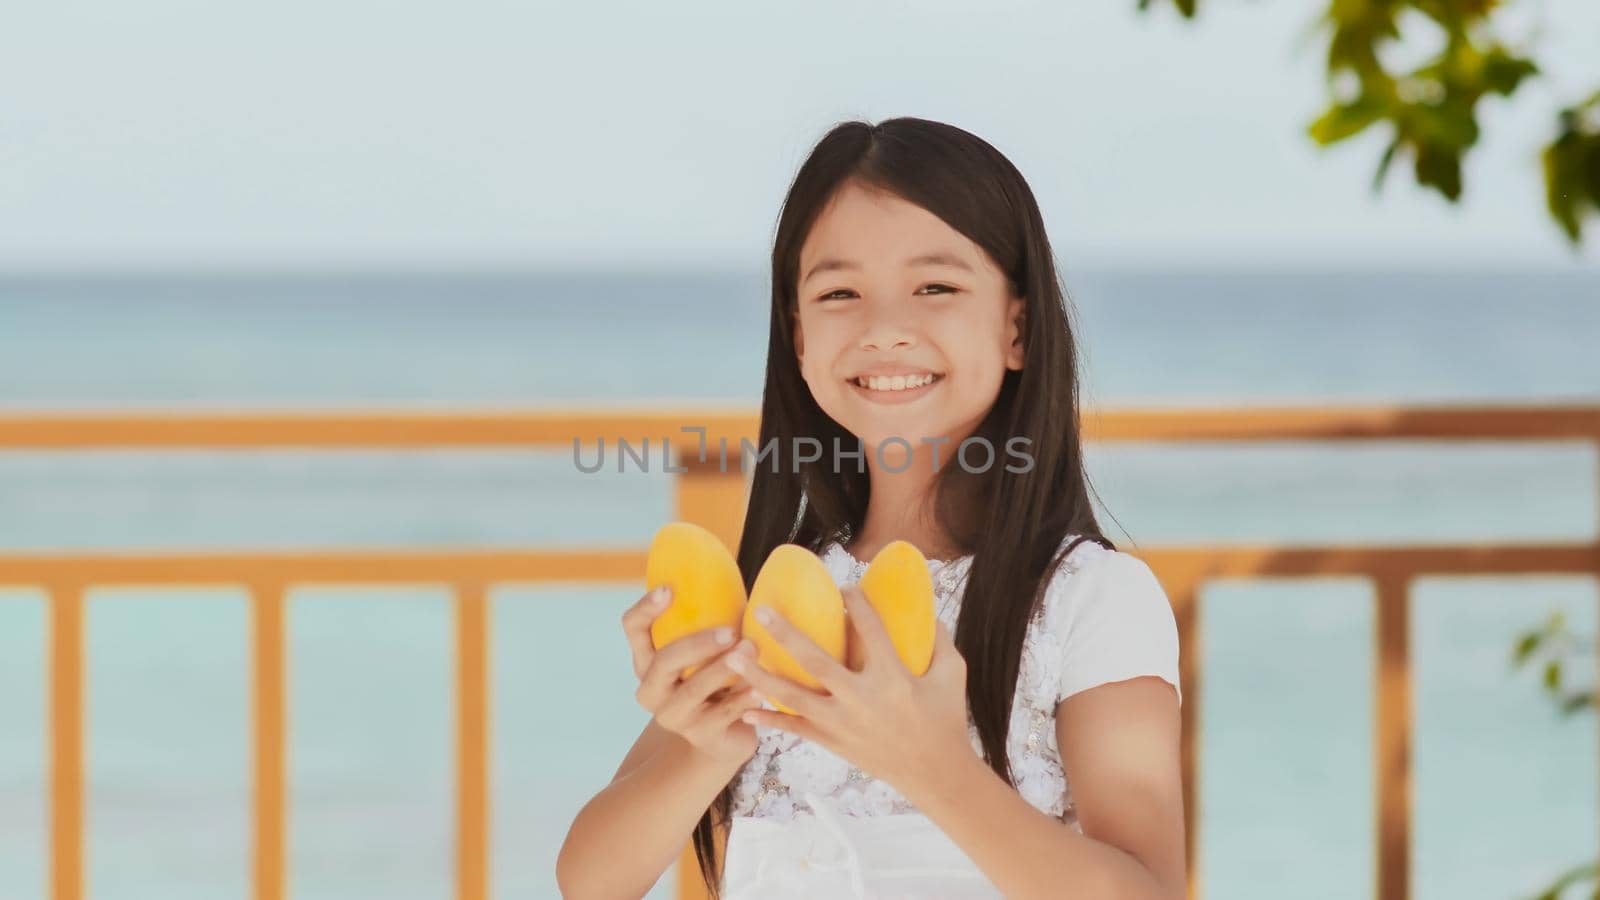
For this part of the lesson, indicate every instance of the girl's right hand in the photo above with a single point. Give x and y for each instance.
(703, 709)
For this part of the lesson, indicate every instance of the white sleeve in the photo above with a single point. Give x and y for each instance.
(1117, 623)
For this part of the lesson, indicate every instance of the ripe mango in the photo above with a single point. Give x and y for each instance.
(707, 589)
(899, 587)
(795, 583)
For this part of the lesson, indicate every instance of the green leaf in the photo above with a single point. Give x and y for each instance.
(1357, 28)
(1526, 645)
(1384, 162)
(1440, 168)
(1502, 72)
(1591, 169)
(1586, 872)
(1562, 196)
(1187, 7)
(1451, 123)
(1347, 119)
(1552, 675)
(1577, 702)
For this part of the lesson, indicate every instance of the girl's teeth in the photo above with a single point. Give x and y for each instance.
(894, 382)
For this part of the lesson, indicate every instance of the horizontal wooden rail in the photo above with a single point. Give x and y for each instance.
(355, 430)
(1375, 561)
(405, 566)
(359, 429)
(366, 567)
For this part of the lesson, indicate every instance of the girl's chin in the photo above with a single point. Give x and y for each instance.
(896, 448)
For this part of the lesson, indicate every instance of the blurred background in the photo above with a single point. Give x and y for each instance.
(537, 208)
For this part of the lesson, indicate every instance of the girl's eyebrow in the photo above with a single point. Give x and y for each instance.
(936, 258)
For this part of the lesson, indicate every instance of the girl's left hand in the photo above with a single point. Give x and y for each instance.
(893, 725)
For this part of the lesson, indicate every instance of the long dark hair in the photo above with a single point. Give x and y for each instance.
(1013, 523)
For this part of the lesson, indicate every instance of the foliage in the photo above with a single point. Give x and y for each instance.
(1431, 108)
(1578, 875)
(1550, 648)
(1572, 167)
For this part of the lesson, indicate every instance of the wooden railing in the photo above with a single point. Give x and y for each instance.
(714, 497)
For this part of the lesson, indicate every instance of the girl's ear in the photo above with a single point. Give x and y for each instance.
(1016, 313)
(799, 340)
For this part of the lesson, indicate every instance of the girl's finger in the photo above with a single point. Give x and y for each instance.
(795, 725)
(707, 680)
(817, 662)
(727, 711)
(636, 626)
(869, 626)
(659, 679)
(945, 654)
(797, 697)
(694, 649)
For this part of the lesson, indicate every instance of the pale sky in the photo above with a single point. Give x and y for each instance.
(187, 132)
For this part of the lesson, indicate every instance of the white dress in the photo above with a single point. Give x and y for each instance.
(808, 824)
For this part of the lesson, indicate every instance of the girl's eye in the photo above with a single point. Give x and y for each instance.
(834, 295)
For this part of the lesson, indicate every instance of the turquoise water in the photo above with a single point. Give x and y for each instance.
(1505, 795)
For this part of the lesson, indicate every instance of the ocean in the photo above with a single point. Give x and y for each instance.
(1506, 791)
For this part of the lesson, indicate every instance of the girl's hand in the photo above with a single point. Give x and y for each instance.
(703, 709)
(889, 723)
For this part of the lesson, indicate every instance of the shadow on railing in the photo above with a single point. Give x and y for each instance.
(715, 498)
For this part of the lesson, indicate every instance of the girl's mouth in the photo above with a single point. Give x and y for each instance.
(895, 388)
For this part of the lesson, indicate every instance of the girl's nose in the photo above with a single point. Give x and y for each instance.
(887, 336)
(887, 325)
(901, 343)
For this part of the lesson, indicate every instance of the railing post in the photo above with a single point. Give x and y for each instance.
(713, 499)
(66, 742)
(267, 684)
(1392, 756)
(1186, 607)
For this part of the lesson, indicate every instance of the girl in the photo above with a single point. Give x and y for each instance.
(916, 321)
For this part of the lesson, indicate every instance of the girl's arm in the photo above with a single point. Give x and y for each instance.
(632, 831)
(628, 834)
(1119, 747)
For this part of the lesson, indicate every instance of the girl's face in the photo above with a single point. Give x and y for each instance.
(904, 327)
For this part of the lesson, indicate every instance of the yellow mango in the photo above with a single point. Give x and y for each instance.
(795, 583)
(707, 589)
(899, 587)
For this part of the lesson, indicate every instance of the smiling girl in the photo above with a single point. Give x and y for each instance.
(916, 318)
